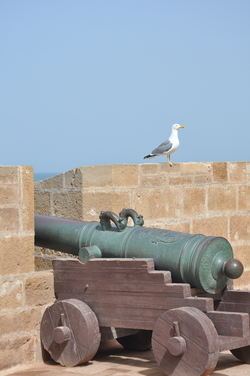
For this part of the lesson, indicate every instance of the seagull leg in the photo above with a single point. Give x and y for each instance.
(169, 162)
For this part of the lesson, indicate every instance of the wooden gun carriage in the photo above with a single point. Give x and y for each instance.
(129, 300)
(140, 293)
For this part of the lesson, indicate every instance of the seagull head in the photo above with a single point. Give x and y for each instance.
(177, 126)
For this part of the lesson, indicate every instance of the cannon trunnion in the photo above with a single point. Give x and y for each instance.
(129, 300)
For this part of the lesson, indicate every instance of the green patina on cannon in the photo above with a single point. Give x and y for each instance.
(205, 262)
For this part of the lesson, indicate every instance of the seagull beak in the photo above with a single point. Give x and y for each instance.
(181, 126)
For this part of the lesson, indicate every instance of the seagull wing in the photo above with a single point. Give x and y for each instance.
(163, 148)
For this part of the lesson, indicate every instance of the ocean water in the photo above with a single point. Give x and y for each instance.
(44, 175)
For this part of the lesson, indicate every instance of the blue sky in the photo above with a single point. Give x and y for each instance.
(102, 81)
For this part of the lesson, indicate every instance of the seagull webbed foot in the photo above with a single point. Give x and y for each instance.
(169, 162)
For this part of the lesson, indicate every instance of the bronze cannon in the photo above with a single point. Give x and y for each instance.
(205, 262)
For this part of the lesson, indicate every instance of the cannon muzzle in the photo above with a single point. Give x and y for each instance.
(205, 262)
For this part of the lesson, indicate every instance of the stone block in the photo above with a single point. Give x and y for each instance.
(241, 252)
(157, 203)
(39, 289)
(165, 168)
(9, 195)
(180, 180)
(125, 175)
(172, 199)
(154, 180)
(94, 176)
(11, 293)
(96, 201)
(16, 254)
(9, 174)
(240, 228)
(27, 197)
(243, 283)
(244, 197)
(149, 168)
(43, 262)
(202, 179)
(20, 320)
(198, 173)
(222, 198)
(237, 172)
(73, 179)
(194, 201)
(183, 226)
(54, 182)
(42, 202)
(9, 219)
(220, 172)
(16, 350)
(67, 205)
(211, 226)
(194, 168)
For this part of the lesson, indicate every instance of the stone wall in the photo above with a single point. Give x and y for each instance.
(207, 198)
(24, 293)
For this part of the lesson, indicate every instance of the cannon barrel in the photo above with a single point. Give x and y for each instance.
(205, 262)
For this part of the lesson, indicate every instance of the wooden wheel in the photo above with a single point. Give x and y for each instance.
(140, 341)
(243, 354)
(70, 332)
(185, 343)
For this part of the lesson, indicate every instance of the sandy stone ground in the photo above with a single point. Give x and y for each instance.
(113, 360)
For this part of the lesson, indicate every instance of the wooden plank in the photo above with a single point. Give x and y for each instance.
(108, 312)
(112, 263)
(234, 307)
(128, 324)
(104, 282)
(134, 263)
(230, 323)
(235, 301)
(116, 275)
(237, 296)
(79, 286)
(230, 343)
(137, 312)
(146, 300)
(77, 274)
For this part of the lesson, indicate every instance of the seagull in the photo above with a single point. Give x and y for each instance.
(167, 147)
